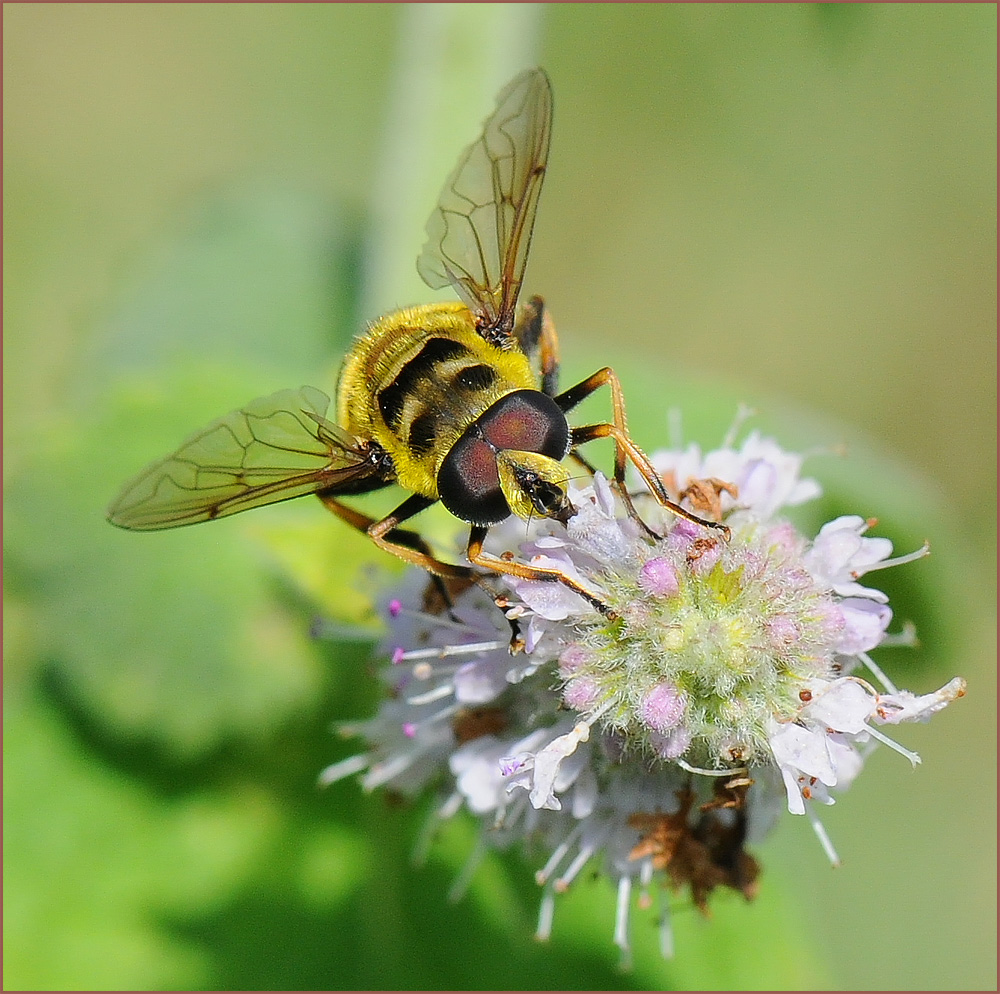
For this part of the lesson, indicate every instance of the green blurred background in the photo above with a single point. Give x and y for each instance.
(789, 205)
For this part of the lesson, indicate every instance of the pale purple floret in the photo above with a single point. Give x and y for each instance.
(721, 689)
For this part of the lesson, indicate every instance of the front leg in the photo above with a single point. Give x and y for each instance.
(625, 448)
(510, 567)
(535, 333)
(401, 542)
(411, 548)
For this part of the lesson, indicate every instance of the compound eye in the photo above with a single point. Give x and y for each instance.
(469, 483)
(528, 421)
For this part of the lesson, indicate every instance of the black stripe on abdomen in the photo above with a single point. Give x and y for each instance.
(393, 397)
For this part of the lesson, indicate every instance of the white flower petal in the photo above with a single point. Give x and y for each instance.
(803, 750)
(845, 706)
(477, 775)
(865, 622)
(904, 706)
(550, 599)
(481, 680)
(546, 767)
(841, 553)
(846, 760)
(796, 804)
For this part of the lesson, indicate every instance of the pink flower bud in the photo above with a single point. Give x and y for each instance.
(658, 577)
(663, 707)
(580, 693)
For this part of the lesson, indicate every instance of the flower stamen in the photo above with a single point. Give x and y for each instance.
(876, 671)
(621, 920)
(345, 768)
(562, 883)
(824, 839)
(437, 694)
(732, 771)
(892, 744)
(546, 913)
(462, 649)
(909, 557)
(542, 875)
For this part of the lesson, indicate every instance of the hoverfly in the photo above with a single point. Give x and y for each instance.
(442, 399)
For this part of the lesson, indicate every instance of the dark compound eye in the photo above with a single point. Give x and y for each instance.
(527, 420)
(468, 481)
(469, 484)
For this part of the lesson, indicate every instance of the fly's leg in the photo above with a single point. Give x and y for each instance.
(625, 448)
(406, 544)
(509, 567)
(434, 602)
(585, 463)
(411, 548)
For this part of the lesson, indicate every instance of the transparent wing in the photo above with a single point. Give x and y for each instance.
(275, 448)
(479, 233)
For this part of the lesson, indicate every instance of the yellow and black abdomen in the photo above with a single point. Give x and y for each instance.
(417, 379)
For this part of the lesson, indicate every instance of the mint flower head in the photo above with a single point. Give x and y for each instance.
(730, 681)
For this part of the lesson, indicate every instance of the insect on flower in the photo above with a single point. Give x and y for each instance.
(454, 402)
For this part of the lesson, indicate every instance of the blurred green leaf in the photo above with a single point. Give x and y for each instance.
(180, 636)
(255, 277)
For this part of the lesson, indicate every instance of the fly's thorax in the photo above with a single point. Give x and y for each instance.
(509, 460)
(417, 379)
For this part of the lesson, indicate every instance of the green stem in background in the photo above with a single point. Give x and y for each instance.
(451, 61)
